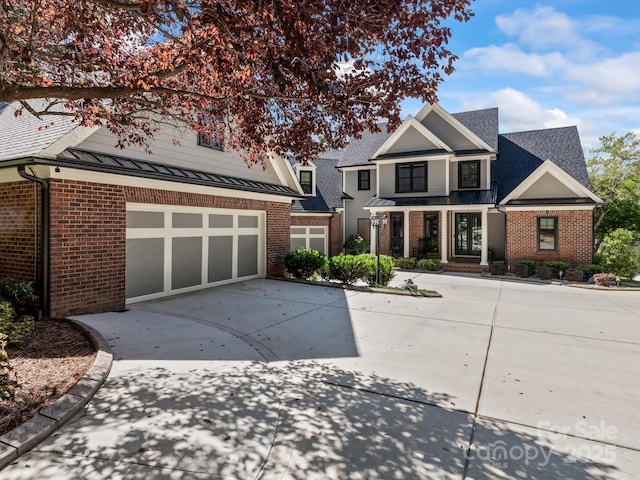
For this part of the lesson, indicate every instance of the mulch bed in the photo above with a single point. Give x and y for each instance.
(45, 367)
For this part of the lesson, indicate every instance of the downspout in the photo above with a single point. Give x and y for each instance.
(44, 253)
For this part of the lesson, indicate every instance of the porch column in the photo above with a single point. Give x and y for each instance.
(444, 247)
(484, 256)
(405, 234)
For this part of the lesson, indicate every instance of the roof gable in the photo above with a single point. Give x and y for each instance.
(450, 130)
(521, 153)
(411, 136)
(549, 181)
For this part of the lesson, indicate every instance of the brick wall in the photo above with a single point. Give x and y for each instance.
(88, 247)
(334, 224)
(575, 236)
(19, 212)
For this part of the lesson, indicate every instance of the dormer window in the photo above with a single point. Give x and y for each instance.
(469, 174)
(306, 181)
(215, 140)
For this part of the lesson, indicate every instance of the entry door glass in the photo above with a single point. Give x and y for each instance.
(468, 234)
(397, 231)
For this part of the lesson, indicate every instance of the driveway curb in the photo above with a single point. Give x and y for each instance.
(23, 438)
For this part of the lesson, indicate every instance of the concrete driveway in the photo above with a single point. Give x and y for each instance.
(276, 380)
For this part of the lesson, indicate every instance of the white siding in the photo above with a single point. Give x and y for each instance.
(436, 180)
(445, 132)
(187, 154)
(548, 186)
(354, 208)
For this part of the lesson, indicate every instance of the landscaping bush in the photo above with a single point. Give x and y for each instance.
(574, 275)
(303, 263)
(589, 269)
(429, 264)
(7, 386)
(355, 245)
(543, 272)
(497, 267)
(618, 257)
(17, 329)
(20, 294)
(603, 279)
(386, 269)
(521, 270)
(531, 266)
(405, 263)
(348, 269)
(556, 267)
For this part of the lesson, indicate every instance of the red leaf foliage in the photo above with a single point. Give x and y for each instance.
(289, 77)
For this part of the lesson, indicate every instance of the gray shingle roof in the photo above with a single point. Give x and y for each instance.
(521, 153)
(328, 188)
(360, 150)
(100, 162)
(484, 123)
(27, 135)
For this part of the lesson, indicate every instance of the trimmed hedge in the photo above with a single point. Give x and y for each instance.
(303, 263)
(405, 263)
(429, 264)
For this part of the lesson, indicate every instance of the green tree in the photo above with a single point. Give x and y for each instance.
(614, 171)
(617, 256)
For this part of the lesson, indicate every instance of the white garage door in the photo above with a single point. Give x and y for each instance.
(309, 237)
(178, 249)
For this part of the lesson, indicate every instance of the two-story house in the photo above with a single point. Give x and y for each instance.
(99, 227)
(449, 186)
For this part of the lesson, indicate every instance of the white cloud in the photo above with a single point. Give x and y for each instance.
(519, 112)
(510, 58)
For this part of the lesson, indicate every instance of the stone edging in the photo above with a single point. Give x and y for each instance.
(23, 438)
(356, 288)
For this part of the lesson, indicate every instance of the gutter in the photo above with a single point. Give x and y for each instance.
(44, 254)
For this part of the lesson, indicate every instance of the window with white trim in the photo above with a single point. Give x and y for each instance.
(310, 237)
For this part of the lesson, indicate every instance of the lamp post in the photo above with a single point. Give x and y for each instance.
(375, 220)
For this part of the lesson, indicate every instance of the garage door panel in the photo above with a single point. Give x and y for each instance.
(186, 262)
(220, 258)
(145, 267)
(247, 255)
(176, 249)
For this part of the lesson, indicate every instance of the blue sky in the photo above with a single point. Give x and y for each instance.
(548, 64)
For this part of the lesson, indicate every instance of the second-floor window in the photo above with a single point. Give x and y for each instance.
(469, 174)
(214, 140)
(411, 177)
(364, 179)
(306, 181)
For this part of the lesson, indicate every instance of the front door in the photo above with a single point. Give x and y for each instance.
(468, 234)
(397, 231)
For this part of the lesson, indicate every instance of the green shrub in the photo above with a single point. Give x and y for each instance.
(430, 264)
(590, 269)
(20, 294)
(405, 263)
(497, 268)
(7, 386)
(355, 245)
(347, 269)
(531, 266)
(16, 329)
(556, 267)
(618, 258)
(386, 269)
(303, 263)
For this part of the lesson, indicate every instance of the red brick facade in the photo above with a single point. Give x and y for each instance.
(334, 224)
(20, 239)
(575, 236)
(88, 237)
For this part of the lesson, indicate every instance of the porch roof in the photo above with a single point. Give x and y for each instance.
(457, 197)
